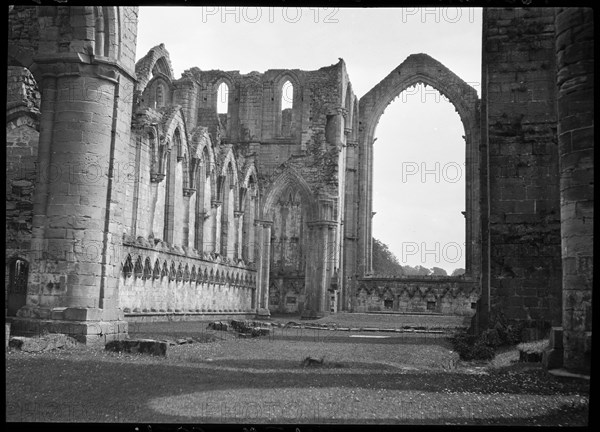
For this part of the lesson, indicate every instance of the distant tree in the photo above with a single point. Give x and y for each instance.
(458, 272)
(416, 270)
(422, 271)
(408, 270)
(384, 260)
(437, 271)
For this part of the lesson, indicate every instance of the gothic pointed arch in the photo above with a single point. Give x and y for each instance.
(288, 179)
(421, 69)
(157, 61)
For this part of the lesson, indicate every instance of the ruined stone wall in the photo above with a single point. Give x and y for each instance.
(22, 135)
(452, 296)
(521, 214)
(23, 35)
(159, 279)
(307, 139)
(287, 295)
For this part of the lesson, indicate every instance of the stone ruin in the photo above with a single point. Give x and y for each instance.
(130, 195)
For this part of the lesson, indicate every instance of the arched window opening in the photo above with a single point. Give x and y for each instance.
(223, 99)
(420, 156)
(99, 32)
(287, 104)
(171, 189)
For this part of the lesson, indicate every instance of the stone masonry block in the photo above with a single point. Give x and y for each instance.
(58, 313)
(83, 314)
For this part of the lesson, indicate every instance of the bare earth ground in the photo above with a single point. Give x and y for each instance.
(387, 379)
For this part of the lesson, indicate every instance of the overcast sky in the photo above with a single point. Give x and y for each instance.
(418, 212)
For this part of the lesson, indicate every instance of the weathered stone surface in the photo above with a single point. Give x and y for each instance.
(218, 325)
(575, 73)
(260, 331)
(142, 346)
(519, 113)
(43, 343)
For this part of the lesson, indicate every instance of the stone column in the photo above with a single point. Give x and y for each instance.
(216, 209)
(575, 82)
(79, 204)
(263, 266)
(331, 262)
(187, 233)
(239, 219)
(318, 272)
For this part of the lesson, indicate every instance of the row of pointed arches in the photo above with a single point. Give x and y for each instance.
(163, 285)
(192, 194)
(180, 272)
(452, 299)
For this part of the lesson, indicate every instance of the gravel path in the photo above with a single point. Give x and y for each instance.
(333, 404)
(384, 320)
(227, 379)
(404, 356)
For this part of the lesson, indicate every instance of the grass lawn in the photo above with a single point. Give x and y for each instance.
(262, 380)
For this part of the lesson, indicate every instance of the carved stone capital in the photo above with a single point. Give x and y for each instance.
(187, 192)
(263, 223)
(156, 177)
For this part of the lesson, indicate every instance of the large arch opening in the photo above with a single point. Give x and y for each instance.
(424, 70)
(289, 207)
(419, 185)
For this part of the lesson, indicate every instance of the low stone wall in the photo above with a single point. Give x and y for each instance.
(167, 282)
(187, 316)
(445, 295)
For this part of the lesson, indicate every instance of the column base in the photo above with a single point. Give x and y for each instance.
(309, 314)
(91, 326)
(263, 313)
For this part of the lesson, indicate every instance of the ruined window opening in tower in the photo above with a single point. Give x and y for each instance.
(420, 157)
(287, 104)
(223, 104)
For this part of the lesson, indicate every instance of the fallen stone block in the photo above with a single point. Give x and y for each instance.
(218, 325)
(44, 343)
(142, 346)
(260, 331)
(240, 326)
